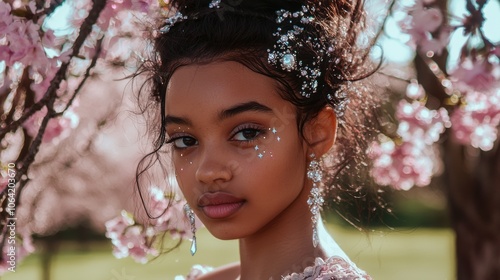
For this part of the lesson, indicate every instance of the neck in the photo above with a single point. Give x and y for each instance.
(283, 246)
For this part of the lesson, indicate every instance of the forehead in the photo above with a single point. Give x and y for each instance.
(218, 85)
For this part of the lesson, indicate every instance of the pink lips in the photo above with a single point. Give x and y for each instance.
(219, 205)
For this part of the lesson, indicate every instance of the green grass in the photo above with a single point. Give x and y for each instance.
(391, 255)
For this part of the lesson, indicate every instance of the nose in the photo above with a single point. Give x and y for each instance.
(213, 167)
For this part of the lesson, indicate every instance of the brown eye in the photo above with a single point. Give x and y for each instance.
(183, 142)
(247, 134)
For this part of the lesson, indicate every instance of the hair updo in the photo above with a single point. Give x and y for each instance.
(242, 31)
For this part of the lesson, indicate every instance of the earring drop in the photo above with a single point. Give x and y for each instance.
(190, 215)
(315, 200)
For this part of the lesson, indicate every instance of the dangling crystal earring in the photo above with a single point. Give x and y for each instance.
(315, 200)
(190, 215)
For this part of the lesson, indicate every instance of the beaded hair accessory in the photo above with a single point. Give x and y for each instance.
(171, 21)
(284, 52)
(290, 37)
(214, 4)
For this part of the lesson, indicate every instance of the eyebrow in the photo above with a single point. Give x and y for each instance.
(176, 120)
(227, 113)
(244, 107)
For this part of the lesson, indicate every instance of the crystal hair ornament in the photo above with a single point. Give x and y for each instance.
(292, 27)
(341, 99)
(192, 221)
(284, 52)
(315, 200)
(215, 4)
(171, 21)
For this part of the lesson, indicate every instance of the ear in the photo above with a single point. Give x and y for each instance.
(321, 131)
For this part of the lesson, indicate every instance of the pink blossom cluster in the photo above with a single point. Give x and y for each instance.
(403, 165)
(117, 25)
(424, 24)
(31, 54)
(57, 128)
(474, 88)
(130, 238)
(476, 75)
(23, 43)
(417, 121)
(171, 216)
(412, 160)
(476, 122)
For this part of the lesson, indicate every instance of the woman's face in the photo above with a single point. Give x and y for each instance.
(238, 155)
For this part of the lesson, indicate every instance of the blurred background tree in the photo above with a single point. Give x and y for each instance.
(68, 154)
(456, 92)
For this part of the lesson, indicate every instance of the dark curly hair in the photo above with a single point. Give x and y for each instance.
(242, 31)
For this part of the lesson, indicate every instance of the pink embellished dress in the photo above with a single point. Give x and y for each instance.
(334, 268)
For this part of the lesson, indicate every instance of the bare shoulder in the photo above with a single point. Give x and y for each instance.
(226, 272)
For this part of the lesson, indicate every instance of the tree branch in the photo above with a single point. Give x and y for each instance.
(86, 76)
(50, 97)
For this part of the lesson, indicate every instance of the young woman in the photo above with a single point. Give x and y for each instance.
(261, 112)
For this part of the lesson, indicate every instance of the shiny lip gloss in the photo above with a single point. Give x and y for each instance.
(219, 205)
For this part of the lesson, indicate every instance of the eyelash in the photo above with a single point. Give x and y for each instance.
(248, 127)
(242, 128)
(173, 139)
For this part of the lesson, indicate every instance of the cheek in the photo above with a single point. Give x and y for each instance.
(269, 146)
(288, 167)
(279, 160)
(184, 173)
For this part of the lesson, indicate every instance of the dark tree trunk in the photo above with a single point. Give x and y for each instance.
(50, 247)
(474, 203)
(472, 183)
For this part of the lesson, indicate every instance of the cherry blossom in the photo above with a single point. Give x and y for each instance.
(422, 22)
(475, 123)
(41, 82)
(496, 51)
(412, 160)
(403, 166)
(130, 238)
(57, 128)
(118, 225)
(158, 202)
(417, 121)
(476, 75)
(5, 18)
(415, 91)
(80, 10)
(116, 24)
(30, 56)
(435, 45)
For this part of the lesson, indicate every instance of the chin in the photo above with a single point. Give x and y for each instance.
(226, 232)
